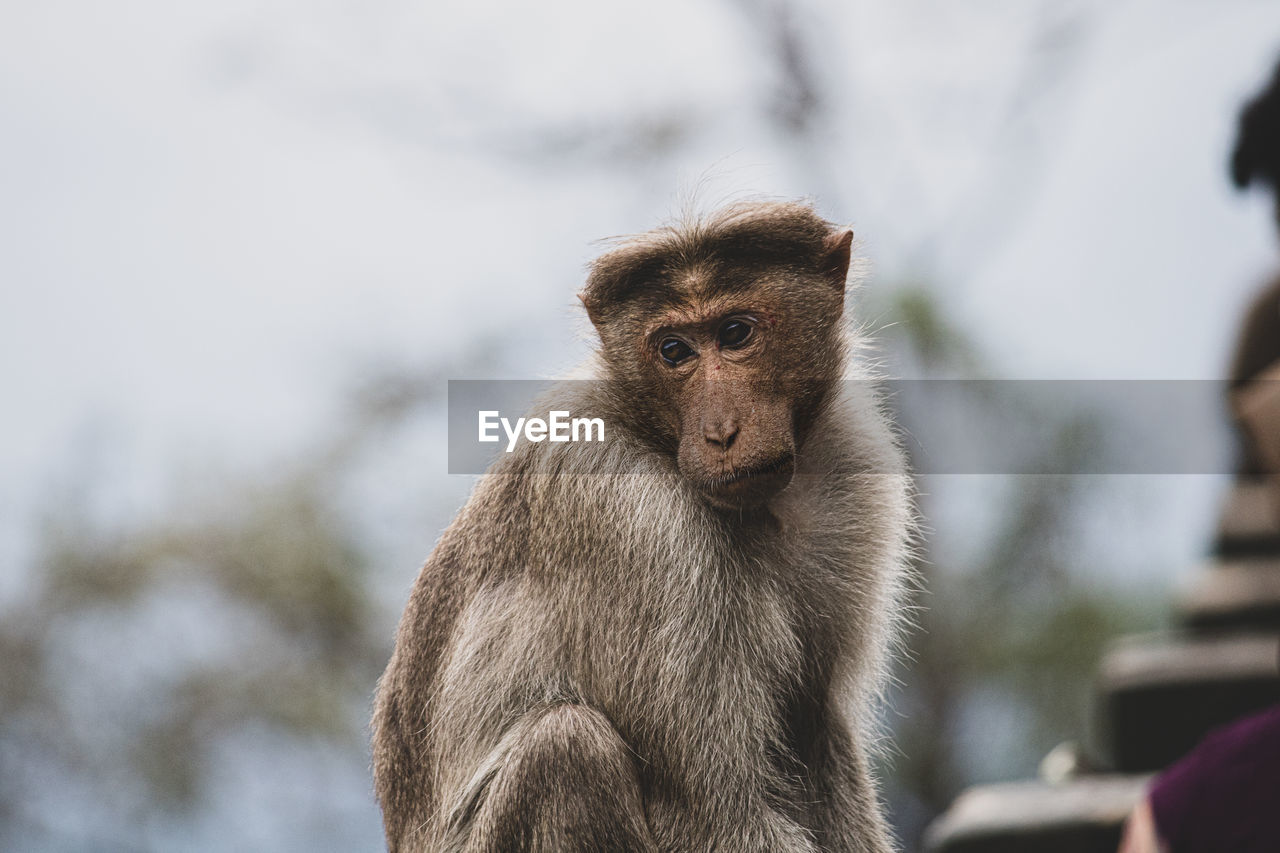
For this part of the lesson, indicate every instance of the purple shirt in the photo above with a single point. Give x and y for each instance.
(1225, 794)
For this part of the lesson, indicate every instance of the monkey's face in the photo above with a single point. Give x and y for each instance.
(728, 400)
(722, 356)
(731, 376)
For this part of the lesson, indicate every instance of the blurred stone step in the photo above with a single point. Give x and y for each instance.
(1085, 815)
(1249, 524)
(1233, 595)
(1161, 694)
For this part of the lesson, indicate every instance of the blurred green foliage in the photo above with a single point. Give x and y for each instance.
(1013, 629)
(134, 654)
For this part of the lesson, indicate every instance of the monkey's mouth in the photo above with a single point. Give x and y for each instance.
(752, 484)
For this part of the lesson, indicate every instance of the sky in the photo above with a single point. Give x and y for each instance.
(217, 216)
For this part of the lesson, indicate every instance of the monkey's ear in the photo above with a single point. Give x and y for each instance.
(592, 306)
(836, 250)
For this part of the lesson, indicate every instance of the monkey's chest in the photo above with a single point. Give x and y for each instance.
(675, 684)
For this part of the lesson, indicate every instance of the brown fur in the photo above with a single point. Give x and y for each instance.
(632, 645)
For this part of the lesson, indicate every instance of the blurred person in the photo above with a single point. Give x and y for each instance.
(1257, 158)
(1223, 796)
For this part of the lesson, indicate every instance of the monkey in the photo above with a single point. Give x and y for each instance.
(673, 640)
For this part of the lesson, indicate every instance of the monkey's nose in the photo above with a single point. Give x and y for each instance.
(721, 433)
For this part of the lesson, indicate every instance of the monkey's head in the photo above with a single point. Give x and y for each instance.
(722, 339)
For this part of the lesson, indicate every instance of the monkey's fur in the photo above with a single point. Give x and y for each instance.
(671, 640)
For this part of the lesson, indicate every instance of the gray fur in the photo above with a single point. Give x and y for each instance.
(595, 658)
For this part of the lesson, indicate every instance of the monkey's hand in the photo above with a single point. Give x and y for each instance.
(560, 781)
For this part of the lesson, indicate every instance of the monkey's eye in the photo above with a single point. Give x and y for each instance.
(734, 333)
(674, 351)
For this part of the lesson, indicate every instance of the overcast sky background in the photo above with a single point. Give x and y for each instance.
(217, 216)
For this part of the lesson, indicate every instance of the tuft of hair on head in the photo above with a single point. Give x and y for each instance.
(787, 234)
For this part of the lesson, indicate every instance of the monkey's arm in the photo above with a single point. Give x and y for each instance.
(849, 818)
(560, 781)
